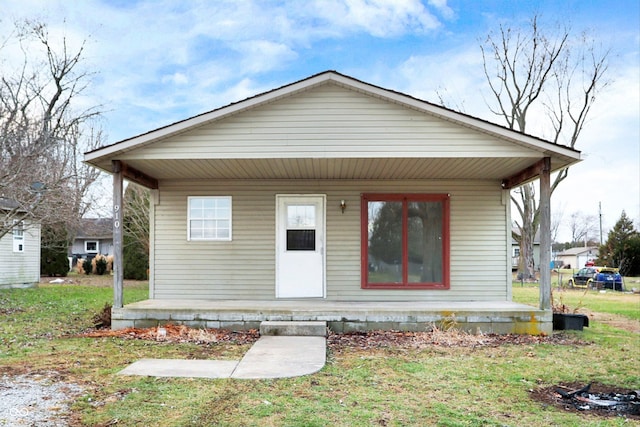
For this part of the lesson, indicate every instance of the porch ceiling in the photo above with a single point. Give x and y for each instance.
(336, 168)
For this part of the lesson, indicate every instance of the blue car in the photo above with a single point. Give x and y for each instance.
(608, 278)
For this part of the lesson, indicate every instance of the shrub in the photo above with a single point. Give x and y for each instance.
(54, 261)
(102, 319)
(86, 266)
(99, 264)
(135, 262)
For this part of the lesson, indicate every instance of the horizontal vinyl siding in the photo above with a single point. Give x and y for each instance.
(244, 268)
(20, 267)
(330, 121)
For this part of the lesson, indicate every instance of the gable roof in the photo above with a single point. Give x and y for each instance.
(9, 204)
(579, 250)
(527, 149)
(95, 228)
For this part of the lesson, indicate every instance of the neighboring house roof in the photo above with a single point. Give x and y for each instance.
(578, 251)
(177, 151)
(8, 204)
(536, 238)
(95, 228)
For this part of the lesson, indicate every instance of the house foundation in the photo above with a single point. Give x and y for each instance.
(500, 317)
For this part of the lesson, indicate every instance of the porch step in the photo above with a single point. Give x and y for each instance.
(294, 328)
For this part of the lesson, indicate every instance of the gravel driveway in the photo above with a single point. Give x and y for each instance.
(35, 401)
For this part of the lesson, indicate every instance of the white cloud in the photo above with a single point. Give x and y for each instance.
(379, 18)
(176, 79)
(262, 55)
(443, 8)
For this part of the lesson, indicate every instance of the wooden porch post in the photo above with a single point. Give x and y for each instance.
(545, 235)
(117, 233)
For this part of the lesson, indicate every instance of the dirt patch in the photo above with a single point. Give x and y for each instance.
(178, 334)
(615, 320)
(438, 338)
(551, 395)
(104, 281)
(361, 340)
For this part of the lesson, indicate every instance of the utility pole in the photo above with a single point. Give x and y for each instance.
(600, 215)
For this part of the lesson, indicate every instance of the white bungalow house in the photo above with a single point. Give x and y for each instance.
(19, 251)
(578, 257)
(332, 199)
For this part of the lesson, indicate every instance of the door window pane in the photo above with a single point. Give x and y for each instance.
(301, 216)
(301, 240)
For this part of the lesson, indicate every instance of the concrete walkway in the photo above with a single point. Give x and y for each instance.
(269, 357)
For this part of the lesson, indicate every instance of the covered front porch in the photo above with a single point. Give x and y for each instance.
(501, 317)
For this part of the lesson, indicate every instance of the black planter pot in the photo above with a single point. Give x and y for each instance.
(567, 321)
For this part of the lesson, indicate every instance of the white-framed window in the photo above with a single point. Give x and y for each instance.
(209, 218)
(91, 246)
(18, 237)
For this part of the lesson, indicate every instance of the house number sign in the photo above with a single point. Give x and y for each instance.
(116, 216)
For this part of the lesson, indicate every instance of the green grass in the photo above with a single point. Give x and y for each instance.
(394, 386)
(623, 304)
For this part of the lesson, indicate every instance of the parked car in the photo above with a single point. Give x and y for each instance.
(608, 278)
(583, 278)
(597, 278)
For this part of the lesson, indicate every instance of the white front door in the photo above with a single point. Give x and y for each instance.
(300, 246)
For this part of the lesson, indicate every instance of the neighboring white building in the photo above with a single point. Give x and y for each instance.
(19, 252)
(515, 251)
(578, 257)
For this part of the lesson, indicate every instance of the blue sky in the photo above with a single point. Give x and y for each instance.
(160, 61)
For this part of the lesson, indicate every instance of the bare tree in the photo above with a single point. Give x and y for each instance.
(583, 227)
(556, 222)
(545, 78)
(42, 131)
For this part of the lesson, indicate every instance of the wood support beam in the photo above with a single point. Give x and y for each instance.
(525, 175)
(137, 177)
(117, 233)
(545, 234)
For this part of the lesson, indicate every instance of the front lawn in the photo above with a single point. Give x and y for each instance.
(373, 384)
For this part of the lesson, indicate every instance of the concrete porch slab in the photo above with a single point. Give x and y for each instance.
(500, 317)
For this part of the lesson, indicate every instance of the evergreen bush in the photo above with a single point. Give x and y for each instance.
(135, 261)
(101, 264)
(54, 261)
(54, 245)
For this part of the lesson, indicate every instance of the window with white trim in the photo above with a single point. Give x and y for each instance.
(209, 218)
(18, 237)
(91, 246)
